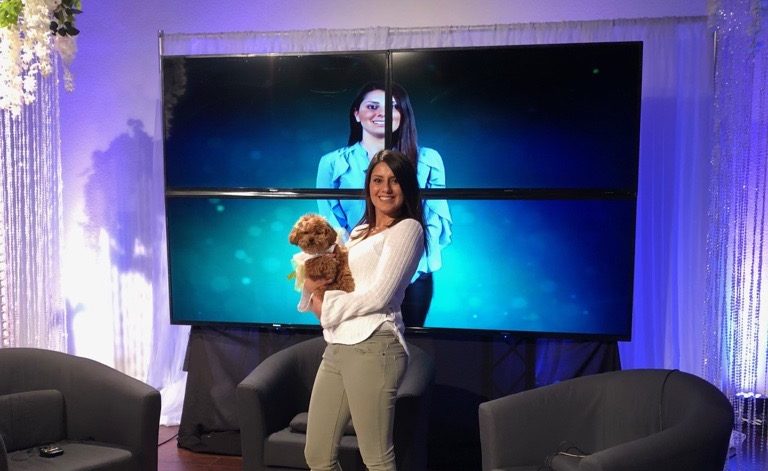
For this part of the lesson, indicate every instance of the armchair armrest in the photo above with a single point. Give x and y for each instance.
(678, 447)
(522, 429)
(419, 375)
(108, 406)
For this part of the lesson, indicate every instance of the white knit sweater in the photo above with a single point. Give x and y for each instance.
(382, 266)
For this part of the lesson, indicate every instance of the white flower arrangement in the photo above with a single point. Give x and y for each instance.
(30, 30)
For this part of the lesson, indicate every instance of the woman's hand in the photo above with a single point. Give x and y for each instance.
(316, 304)
(316, 300)
(311, 286)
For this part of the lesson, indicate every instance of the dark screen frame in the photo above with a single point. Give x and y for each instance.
(602, 193)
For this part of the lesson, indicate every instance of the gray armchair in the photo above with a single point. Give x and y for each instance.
(273, 399)
(633, 420)
(101, 418)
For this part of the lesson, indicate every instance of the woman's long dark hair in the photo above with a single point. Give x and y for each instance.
(404, 138)
(405, 173)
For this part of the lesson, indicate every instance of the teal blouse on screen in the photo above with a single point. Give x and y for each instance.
(345, 168)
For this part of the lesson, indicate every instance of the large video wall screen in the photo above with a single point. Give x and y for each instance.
(538, 163)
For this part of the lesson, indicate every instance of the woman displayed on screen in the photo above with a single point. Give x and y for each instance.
(366, 356)
(345, 168)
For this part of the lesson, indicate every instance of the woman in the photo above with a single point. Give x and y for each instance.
(345, 168)
(366, 355)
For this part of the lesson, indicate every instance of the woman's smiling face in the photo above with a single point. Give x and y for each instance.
(370, 114)
(385, 193)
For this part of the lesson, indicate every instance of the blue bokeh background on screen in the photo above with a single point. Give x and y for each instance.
(230, 259)
(528, 266)
(537, 266)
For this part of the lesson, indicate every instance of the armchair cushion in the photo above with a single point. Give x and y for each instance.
(565, 463)
(299, 424)
(285, 449)
(76, 457)
(31, 418)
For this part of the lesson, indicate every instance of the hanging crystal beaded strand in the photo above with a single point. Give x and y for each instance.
(32, 312)
(736, 351)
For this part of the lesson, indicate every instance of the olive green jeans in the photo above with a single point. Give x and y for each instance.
(358, 381)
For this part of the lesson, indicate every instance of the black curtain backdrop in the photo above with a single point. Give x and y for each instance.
(470, 369)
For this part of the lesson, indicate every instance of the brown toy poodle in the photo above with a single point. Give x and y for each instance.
(322, 254)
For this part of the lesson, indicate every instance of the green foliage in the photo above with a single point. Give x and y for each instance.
(63, 22)
(64, 18)
(9, 12)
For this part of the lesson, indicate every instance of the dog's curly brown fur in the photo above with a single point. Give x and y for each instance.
(314, 235)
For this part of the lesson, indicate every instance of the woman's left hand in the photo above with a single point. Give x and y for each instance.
(316, 304)
(314, 288)
(311, 286)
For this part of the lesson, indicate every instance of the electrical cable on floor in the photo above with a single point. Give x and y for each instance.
(168, 439)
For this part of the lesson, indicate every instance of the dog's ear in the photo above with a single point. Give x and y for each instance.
(330, 232)
(293, 236)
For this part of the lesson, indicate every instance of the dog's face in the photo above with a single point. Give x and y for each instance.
(313, 234)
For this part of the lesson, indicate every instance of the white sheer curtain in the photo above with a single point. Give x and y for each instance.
(674, 153)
